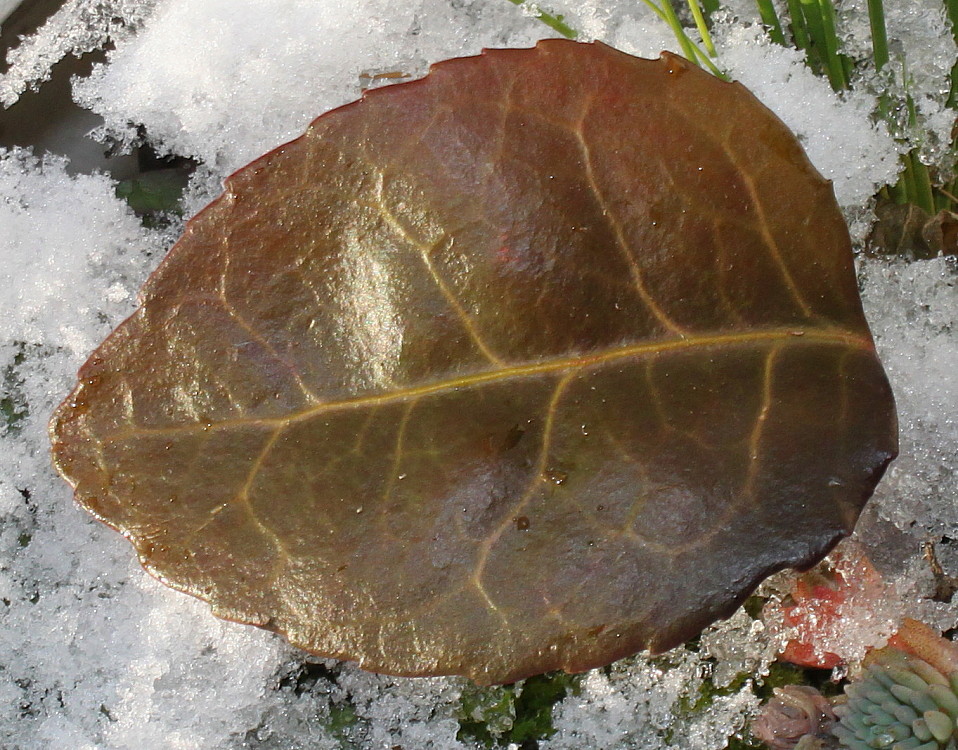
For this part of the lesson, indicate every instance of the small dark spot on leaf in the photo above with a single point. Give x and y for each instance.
(513, 437)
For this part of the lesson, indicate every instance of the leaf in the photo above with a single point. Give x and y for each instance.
(822, 602)
(909, 231)
(538, 361)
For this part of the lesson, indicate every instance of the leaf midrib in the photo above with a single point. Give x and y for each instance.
(795, 335)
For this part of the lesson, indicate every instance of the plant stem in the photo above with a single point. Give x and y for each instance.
(702, 27)
(690, 50)
(922, 195)
(799, 31)
(914, 183)
(924, 189)
(949, 194)
(770, 19)
(820, 20)
(952, 7)
(876, 18)
(552, 21)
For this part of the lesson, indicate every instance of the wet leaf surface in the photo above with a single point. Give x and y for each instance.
(538, 361)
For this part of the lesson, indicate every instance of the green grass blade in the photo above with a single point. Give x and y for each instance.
(690, 51)
(667, 12)
(924, 190)
(811, 12)
(710, 6)
(822, 43)
(702, 26)
(770, 19)
(799, 30)
(876, 18)
(953, 87)
(918, 188)
(706, 61)
(907, 180)
(896, 192)
(834, 63)
(552, 21)
(951, 6)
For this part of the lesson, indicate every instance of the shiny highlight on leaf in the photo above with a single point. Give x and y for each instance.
(541, 360)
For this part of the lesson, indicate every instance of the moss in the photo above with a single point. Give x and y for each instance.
(534, 705)
(343, 719)
(754, 605)
(12, 413)
(13, 404)
(780, 674)
(746, 742)
(519, 714)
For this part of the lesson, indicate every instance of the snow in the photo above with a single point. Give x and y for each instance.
(95, 654)
(88, 261)
(921, 53)
(837, 133)
(644, 703)
(262, 71)
(77, 27)
(6, 8)
(914, 309)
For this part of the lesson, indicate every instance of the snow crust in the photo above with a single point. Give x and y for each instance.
(77, 27)
(225, 80)
(914, 310)
(837, 133)
(921, 52)
(95, 654)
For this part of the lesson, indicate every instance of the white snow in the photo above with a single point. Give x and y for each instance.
(647, 703)
(95, 654)
(60, 267)
(914, 311)
(921, 53)
(6, 8)
(837, 133)
(77, 27)
(226, 80)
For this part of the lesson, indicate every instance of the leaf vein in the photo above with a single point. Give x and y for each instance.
(425, 252)
(535, 482)
(619, 234)
(755, 197)
(260, 339)
(826, 337)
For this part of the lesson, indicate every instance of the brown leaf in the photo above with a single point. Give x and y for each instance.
(911, 232)
(941, 233)
(541, 360)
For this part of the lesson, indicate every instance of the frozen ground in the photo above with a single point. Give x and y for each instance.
(94, 653)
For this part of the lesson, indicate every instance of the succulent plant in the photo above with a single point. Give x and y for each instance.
(796, 718)
(901, 702)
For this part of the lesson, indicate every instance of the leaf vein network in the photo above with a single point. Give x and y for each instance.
(769, 336)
